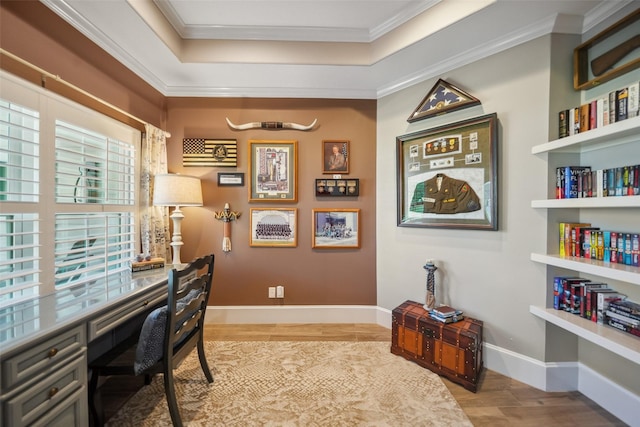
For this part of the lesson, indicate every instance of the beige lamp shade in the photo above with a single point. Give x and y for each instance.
(177, 190)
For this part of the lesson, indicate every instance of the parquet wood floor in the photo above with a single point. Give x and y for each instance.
(500, 401)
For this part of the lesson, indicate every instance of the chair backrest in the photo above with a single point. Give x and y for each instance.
(188, 296)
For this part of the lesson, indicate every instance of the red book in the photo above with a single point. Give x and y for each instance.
(593, 115)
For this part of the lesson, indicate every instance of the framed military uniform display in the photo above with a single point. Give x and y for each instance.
(447, 176)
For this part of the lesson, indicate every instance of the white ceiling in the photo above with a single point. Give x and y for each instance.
(362, 49)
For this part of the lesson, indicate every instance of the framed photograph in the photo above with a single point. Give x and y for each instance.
(447, 176)
(230, 179)
(273, 171)
(336, 228)
(274, 227)
(335, 156)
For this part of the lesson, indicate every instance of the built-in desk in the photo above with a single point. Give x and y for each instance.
(45, 345)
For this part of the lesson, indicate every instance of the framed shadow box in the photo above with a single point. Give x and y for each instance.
(608, 54)
(337, 187)
(447, 176)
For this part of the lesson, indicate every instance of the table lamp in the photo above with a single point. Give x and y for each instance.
(177, 190)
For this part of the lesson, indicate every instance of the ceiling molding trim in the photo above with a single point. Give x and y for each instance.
(401, 18)
(269, 92)
(253, 32)
(69, 14)
(601, 12)
(318, 34)
(477, 53)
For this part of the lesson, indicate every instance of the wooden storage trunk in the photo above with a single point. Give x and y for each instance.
(453, 350)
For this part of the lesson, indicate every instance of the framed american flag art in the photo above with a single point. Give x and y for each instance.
(442, 98)
(203, 152)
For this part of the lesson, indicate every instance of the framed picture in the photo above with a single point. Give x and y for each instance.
(447, 176)
(336, 228)
(204, 152)
(275, 227)
(335, 156)
(273, 171)
(230, 179)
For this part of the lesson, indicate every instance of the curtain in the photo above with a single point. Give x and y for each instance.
(154, 220)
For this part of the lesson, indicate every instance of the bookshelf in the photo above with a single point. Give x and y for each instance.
(626, 132)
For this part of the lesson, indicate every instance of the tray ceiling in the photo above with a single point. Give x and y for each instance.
(362, 49)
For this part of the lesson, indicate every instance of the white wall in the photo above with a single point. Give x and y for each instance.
(488, 274)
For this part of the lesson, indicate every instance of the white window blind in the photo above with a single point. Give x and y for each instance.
(19, 192)
(68, 194)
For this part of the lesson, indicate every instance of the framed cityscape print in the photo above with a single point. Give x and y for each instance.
(273, 171)
(447, 176)
(274, 227)
(335, 156)
(336, 228)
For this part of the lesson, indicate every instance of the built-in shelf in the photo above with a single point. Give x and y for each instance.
(621, 343)
(613, 134)
(624, 132)
(588, 202)
(615, 271)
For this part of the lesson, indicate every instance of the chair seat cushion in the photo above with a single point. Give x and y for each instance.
(151, 340)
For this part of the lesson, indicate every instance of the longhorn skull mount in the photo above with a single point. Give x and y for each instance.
(271, 125)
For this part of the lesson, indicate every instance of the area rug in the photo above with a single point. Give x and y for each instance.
(276, 383)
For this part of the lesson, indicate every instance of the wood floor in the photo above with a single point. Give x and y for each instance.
(500, 401)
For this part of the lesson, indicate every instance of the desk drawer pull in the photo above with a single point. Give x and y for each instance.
(53, 392)
(52, 352)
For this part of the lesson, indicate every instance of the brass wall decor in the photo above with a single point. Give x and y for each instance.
(226, 216)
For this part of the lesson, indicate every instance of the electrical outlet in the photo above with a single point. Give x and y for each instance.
(272, 292)
(280, 291)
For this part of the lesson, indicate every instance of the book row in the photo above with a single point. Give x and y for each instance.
(584, 241)
(618, 105)
(597, 302)
(573, 182)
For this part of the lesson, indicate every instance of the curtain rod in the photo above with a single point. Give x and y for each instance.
(45, 74)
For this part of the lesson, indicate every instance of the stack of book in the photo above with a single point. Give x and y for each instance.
(624, 315)
(151, 264)
(446, 314)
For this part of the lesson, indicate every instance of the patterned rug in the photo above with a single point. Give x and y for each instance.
(276, 383)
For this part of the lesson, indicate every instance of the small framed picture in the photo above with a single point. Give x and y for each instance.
(336, 228)
(274, 227)
(230, 179)
(335, 156)
(273, 171)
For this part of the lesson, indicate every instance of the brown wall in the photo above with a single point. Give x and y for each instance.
(310, 276)
(32, 32)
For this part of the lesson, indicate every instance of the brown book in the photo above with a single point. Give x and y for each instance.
(584, 117)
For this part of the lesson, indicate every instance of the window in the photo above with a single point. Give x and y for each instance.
(68, 194)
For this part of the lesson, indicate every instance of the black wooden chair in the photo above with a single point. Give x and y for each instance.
(168, 335)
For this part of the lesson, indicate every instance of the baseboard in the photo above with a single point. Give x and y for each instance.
(566, 376)
(299, 314)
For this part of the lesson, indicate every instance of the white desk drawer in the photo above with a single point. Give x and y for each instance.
(117, 316)
(45, 395)
(41, 357)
